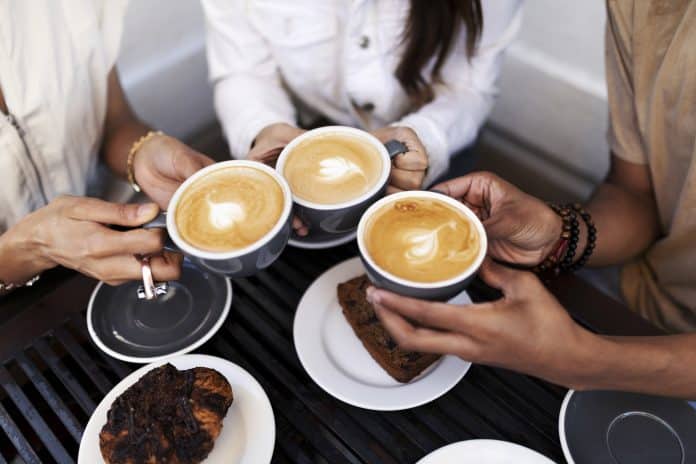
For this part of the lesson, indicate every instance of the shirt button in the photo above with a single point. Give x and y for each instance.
(369, 106)
(364, 41)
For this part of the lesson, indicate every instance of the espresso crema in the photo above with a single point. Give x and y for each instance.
(422, 240)
(229, 209)
(332, 168)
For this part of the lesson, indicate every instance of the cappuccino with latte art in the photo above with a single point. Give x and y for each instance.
(332, 168)
(229, 209)
(421, 239)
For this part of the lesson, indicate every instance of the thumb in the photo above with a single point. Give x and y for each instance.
(121, 214)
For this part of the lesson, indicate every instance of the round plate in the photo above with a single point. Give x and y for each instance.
(336, 360)
(320, 241)
(484, 452)
(248, 430)
(141, 331)
(606, 427)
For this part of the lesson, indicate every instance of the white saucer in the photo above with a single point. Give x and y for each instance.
(320, 242)
(484, 452)
(248, 432)
(336, 360)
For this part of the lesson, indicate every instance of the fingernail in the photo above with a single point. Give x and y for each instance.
(373, 295)
(147, 210)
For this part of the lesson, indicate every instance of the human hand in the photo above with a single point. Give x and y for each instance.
(72, 232)
(521, 229)
(270, 142)
(408, 169)
(527, 330)
(162, 164)
(267, 147)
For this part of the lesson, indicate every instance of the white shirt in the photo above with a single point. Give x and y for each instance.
(55, 57)
(333, 54)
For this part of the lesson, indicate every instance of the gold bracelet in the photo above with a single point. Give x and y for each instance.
(131, 156)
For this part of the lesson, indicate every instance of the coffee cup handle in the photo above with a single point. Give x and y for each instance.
(160, 222)
(395, 148)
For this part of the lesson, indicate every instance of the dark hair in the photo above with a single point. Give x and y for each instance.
(432, 30)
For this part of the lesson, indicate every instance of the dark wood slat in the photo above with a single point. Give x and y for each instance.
(432, 416)
(51, 397)
(32, 416)
(20, 443)
(70, 294)
(294, 278)
(88, 365)
(120, 368)
(524, 406)
(409, 425)
(271, 308)
(64, 375)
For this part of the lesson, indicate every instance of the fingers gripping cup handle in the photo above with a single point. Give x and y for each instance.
(395, 148)
(160, 222)
(150, 289)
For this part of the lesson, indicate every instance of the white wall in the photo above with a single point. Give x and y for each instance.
(163, 67)
(553, 93)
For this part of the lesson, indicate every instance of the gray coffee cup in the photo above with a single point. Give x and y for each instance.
(437, 291)
(340, 218)
(238, 263)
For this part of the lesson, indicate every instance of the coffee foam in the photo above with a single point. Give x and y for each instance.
(229, 209)
(332, 168)
(422, 240)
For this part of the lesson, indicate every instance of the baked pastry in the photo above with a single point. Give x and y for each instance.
(400, 364)
(168, 416)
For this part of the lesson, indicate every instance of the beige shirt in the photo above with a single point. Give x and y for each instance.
(651, 76)
(55, 56)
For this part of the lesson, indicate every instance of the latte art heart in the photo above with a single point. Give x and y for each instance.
(229, 209)
(422, 240)
(337, 168)
(332, 168)
(422, 245)
(225, 215)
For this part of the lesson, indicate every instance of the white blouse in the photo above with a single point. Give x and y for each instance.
(55, 57)
(337, 59)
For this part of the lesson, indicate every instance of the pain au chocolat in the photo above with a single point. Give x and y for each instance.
(168, 416)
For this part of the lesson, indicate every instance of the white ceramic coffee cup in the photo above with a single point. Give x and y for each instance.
(441, 290)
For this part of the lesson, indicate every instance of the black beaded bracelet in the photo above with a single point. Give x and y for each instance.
(591, 237)
(570, 224)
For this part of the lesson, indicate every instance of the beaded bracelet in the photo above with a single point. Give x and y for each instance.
(561, 259)
(591, 237)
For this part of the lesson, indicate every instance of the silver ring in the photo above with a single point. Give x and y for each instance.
(149, 290)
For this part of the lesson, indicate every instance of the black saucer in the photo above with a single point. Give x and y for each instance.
(141, 331)
(603, 427)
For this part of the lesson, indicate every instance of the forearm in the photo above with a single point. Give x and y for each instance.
(121, 128)
(118, 142)
(626, 223)
(633, 364)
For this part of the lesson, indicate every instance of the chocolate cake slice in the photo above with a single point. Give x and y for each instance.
(167, 416)
(400, 364)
